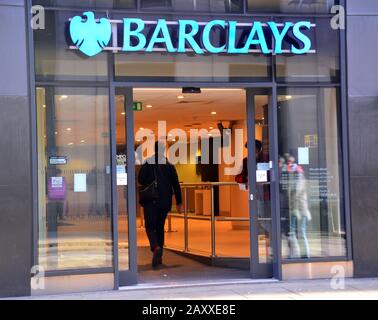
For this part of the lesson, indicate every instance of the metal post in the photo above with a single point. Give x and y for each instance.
(186, 246)
(212, 223)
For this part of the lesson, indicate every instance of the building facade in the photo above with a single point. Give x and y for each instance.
(69, 196)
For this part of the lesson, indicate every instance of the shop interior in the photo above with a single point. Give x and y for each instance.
(198, 246)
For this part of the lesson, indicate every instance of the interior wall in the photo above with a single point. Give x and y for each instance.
(362, 26)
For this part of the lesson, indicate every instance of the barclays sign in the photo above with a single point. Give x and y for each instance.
(92, 36)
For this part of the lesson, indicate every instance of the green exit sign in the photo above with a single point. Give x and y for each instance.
(137, 106)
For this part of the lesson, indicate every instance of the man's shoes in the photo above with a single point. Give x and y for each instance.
(157, 257)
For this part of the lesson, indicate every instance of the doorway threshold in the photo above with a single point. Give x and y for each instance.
(186, 284)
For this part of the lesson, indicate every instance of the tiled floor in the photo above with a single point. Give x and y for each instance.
(177, 268)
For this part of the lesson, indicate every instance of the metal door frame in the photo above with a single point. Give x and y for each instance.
(124, 278)
(273, 269)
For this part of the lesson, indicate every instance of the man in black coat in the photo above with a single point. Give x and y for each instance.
(156, 211)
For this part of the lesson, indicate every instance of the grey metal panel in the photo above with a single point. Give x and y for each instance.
(363, 139)
(15, 197)
(13, 52)
(363, 129)
(364, 192)
(362, 57)
(362, 7)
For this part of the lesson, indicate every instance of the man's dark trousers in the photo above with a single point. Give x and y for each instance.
(154, 218)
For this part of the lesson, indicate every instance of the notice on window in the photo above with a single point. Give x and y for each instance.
(303, 156)
(263, 166)
(261, 176)
(80, 182)
(57, 182)
(121, 179)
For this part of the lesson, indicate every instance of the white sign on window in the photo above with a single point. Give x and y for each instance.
(303, 156)
(80, 182)
(261, 176)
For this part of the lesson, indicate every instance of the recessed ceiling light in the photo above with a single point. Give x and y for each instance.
(69, 129)
(123, 113)
(148, 106)
(56, 132)
(211, 128)
(44, 106)
(213, 112)
(82, 141)
(141, 128)
(180, 97)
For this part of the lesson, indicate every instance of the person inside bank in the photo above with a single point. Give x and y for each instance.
(158, 181)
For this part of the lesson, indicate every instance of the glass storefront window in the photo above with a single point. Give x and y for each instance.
(194, 5)
(291, 6)
(55, 61)
(321, 66)
(116, 4)
(156, 4)
(311, 201)
(74, 178)
(219, 68)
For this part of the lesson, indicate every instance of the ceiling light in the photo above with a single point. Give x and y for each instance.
(180, 97)
(82, 141)
(44, 106)
(288, 97)
(56, 132)
(213, 112)
(71, 143)
(148, 106)
(69, 129)
(211, 128)
(141, 128)
(123, 113)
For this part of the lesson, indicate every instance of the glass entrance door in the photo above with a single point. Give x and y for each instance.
(234, 223)
(261, 181)
(124, 187)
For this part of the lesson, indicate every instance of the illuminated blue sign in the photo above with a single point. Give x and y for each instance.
(91, 36)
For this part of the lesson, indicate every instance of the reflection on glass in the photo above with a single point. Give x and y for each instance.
(312, 220)
(53, 58)
(320, 66)
(74, 186)
(156, 4)
(300, 6)
(121, 178)
(116, 4)
(182, 67)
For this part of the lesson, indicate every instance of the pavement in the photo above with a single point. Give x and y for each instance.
(351, 289)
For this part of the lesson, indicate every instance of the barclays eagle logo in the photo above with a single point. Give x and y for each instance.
(89, 36)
